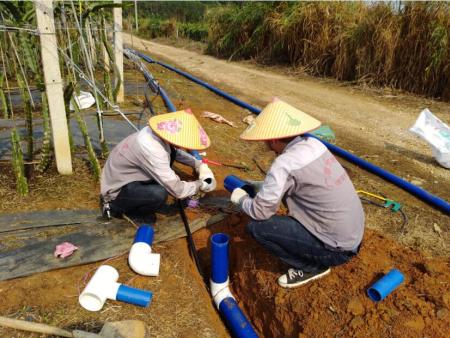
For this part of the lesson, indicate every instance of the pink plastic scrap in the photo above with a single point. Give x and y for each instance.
(65, 249)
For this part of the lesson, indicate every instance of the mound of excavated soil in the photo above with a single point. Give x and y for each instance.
(337, 305)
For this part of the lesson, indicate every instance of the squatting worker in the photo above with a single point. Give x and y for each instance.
(325, 224)
(138, 177)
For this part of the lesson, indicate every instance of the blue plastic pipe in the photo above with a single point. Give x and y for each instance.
(219, 258)
(134, 296)
(385, 285)
(229, 309)
(232, 182)
(144, 234)
(235, 319)
(384, 174)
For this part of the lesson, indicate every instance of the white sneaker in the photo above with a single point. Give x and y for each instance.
(297, 277)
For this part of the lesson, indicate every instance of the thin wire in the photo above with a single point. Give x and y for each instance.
(84, 77)
(91, 73)
(405, 218)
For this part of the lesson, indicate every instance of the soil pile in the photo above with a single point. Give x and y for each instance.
(337, 305)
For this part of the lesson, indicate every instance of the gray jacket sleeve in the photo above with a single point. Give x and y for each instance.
(186, 158)
(157, 165)
(266, 202)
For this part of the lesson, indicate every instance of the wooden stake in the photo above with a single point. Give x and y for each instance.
(54, 85)
(118, 47)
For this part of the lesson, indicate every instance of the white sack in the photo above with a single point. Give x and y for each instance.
(436, 133)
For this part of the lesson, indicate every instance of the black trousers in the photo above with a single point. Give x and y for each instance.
(289, 240)
(139, 199)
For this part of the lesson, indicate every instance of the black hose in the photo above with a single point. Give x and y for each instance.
(192, 247)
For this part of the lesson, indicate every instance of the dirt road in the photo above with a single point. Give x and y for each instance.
(371, 125)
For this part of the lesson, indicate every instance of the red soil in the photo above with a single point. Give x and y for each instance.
(337, 305)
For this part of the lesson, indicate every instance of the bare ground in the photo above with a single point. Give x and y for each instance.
(182, 307)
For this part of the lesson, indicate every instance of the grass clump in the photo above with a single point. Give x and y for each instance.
(405, 48)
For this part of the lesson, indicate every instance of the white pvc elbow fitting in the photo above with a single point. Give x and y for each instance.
(141, 259)
(220, 291)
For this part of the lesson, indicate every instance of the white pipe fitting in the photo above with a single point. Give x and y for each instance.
(220, 291)
(102, 286)
(143, 261)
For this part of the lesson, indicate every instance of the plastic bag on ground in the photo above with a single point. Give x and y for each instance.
(84, 100)
(436, 133)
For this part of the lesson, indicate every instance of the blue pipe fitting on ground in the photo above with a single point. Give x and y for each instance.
(384, 174)
(385, 285)
(144, 234)
(219, 258)
(232, 182)
(133, 296)
(224, 300)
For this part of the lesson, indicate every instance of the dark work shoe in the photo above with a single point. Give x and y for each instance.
(105, 209)
(297, 277)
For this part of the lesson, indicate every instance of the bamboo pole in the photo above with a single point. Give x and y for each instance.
(118, 49)
(53, 85)
(18, 164)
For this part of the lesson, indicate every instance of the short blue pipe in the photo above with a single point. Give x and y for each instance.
(232, 182)
(134, 296)
(236, 320)
(219, 258)
(384, 286)
(405, 185)
(144, 234)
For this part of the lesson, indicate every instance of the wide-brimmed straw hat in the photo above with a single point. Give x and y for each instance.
(279, 120)
(181, 129)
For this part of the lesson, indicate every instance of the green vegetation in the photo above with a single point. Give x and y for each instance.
(21, 73)
(407, 47)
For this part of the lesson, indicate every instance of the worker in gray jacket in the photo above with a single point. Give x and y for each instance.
(325, 224)
(137, 177)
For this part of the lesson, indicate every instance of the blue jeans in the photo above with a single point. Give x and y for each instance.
(289, 240)
(139, 199)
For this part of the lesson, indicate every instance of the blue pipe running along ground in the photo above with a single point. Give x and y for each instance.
(386, 175)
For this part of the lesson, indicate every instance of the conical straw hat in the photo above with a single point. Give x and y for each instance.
(181, 129)
(279, 120)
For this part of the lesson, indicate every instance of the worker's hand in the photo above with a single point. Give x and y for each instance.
(237, 194)
(206, 176)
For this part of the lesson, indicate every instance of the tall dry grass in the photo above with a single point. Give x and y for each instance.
(406, 48)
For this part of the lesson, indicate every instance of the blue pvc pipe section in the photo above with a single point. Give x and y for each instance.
(236, 320)
(144, 234)
(134, 296)
(234, 317)
(219, 258)
(386, 175)
(200, 82)
(232, 182)
(385, 285)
